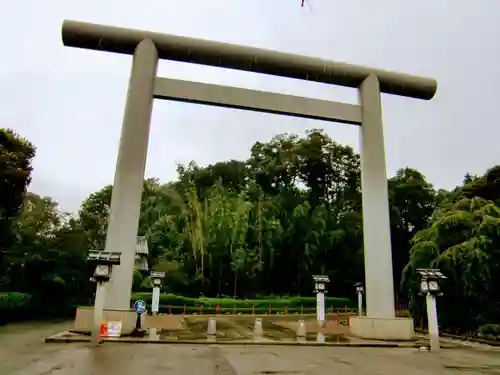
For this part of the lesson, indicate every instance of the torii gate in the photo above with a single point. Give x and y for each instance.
(144, 86)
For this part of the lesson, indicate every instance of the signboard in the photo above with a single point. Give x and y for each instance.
(111, 329)
(114, 329)
(139, 306)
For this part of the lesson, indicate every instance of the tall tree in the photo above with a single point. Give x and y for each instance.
(412, 201)
(463, 241)
(16, 155)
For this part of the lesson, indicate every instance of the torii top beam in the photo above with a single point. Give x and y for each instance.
(205, 52)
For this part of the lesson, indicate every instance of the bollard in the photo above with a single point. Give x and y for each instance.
(234, 309)
(337, 316)
(169, 309)
(212, 327)
(270, 309)
(302, 310)
(217, 309)
(348, 319)
(320, 337)
(153, 334)
(253, 308)
(301, 329)
(258, 331)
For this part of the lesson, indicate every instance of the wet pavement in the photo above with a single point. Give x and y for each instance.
(23, 352)
(241, 328)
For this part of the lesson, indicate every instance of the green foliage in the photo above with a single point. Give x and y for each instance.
(412, 202)
(462, 240)
(230, 303)
(13, 306)
(16, 155)
(259, 227)
(489, 331)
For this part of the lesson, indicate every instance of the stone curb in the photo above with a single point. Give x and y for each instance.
(61, 339)
(462, 338)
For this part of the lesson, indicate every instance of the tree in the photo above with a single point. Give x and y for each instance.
(48, 257)
(260, 227)
(412, 201)
(16, 155)
(463, 241)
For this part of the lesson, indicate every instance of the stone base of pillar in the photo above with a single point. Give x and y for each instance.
(394, 329)
(84, 319)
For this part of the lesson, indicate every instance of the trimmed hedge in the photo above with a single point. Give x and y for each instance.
(293, 304)
(13, 306)
(489, 331)
(176, 309)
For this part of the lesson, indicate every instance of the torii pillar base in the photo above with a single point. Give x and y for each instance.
(390, 329)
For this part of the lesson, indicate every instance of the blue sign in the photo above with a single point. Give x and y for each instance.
(139, 306)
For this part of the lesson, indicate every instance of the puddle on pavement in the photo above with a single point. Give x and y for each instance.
(230, 329)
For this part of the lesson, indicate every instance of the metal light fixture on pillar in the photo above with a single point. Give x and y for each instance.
(320, 289)
(103, 262)
(157, 278)
(429, 286)
(360, 290)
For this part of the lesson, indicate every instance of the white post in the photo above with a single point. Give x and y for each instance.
(320, 337)
(301, 329)
(376, 228)
(100, 297)
(360, 303)
(155, 302)
(320, 308)
(258, 331)
(432, 321)
(211, 327)
(153, 334)
(129, 175)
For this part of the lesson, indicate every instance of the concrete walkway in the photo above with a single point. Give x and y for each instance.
(126, 359)
(23, 352)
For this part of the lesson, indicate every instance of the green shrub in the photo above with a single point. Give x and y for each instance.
(489, 330)
(229, 304)
(13, 306)
(176, 309)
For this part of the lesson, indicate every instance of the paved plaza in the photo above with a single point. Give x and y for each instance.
(23, 352)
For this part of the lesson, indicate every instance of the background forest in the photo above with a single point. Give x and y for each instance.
(257, 227)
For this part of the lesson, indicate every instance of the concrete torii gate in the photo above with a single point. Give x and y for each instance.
(147, 47)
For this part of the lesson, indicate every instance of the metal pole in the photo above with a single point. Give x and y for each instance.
(432, 321)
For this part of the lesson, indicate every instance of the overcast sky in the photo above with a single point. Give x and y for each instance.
(69, 102)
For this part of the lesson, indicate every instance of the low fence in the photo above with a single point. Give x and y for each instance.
(235, 310)
(174, 304)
